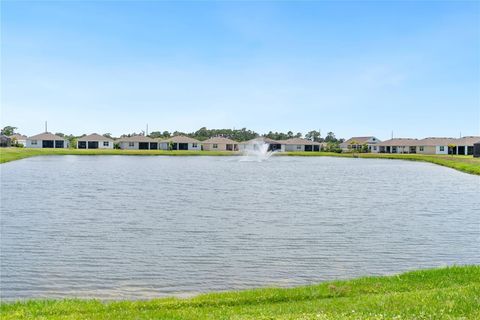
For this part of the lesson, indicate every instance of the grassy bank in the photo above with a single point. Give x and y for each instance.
(466, 164)
(447, 293)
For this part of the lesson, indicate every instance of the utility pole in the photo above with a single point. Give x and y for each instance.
(146, 133)
(392, 134)
(46, 130)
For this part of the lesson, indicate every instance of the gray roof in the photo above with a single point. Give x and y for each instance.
(46, 136)
(18, 136)
(180, 139)
(399, 142)
(261, 139)
(219, 140)
(299, 141)
(94, 137)
(136, 139)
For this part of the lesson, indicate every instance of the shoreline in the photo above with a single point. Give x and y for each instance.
(466, 164)
(431, 293)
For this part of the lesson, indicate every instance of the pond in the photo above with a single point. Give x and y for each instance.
(132, 227)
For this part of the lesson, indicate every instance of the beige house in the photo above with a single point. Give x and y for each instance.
(19, 139)
(220, 144)
(432, 145)
(255, 144)
(180, 143)
(357, 143)
(46, 140)
(299, 144)
(94, 141)
(137, 143)
(397, 145)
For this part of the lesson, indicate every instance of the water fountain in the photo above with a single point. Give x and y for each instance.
(257, 150)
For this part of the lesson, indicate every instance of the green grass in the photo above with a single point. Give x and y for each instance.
(447, 293)
(466, 164)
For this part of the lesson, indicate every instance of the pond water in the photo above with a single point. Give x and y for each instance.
(118, 227)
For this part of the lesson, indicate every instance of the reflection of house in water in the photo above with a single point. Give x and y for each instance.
(180, 143)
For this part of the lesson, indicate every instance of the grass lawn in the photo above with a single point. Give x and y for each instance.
(447, 293)
(466, 164)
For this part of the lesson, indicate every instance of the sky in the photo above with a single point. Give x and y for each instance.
(354, 68)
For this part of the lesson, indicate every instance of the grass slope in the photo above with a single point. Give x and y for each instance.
(466, 164)
(447, 293)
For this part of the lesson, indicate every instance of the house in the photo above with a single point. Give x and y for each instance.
(220, 144)
(46, 140)
(180, 143)
(5, 141)
(137, 143)
(466, 145)
(476, 149)
(255, 144)
(94, 141)
(358, 143)
(299, 144)
(19, 139)
(397, 145)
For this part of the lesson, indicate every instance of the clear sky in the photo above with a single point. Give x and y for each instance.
(354, 68)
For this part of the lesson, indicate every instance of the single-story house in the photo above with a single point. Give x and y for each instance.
(465, 145)
(254, 144)
(357, 144)
(19, 139)
(180, 143)
(94, 141)
(476, 149)
(220, 144)
(299, 144)
(46, 140)
(397, 145)
(5, 141)
(137, 143)
(432, 145)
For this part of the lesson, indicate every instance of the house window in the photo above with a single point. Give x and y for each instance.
(105, 143)
(194, 145)
(34, 142)
(421, 148)
(215, 146)
(299, 147)
(375, 148)
(442, 148)
(131, 144)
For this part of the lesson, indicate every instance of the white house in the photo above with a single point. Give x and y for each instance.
(94, 141)
(220, 144)
(255, 144)
(19, 139)
(46, 140)
(137, 143)
(180, 143)
(357, 144)
(299, 144)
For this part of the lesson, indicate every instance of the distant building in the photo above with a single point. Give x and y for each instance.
(358, 143)
(180, 143)
(299, 144)
(19, 139)
(94, 141)
(46, 140)
(432, 145)
(398, 145)
(137, 143)
(220, 144)
(5, 141)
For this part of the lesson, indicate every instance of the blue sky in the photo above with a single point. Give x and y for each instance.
(354, 68)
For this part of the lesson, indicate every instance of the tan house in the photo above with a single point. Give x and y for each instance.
(220, 144)
(398, 145)
(432, 145)
(46, 140)
(358, 143)
(137, 143)
(180, 143)
(299, 144)
(19, 139)
(94, 141)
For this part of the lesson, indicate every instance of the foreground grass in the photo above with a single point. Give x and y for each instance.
(447, 293)
(466, 164)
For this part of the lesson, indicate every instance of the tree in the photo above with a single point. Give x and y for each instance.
(330, 137)
(8, 130)
(108, 135)
(313, 136)
(353, 146)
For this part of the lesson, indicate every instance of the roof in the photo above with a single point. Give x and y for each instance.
(468, 141)
(437, 141)
(18, 136)
(299, 141)
(360, 140)
(180, 139)
(45, 136)
(262, 139)
(94, 137)
(220, 140)
(136, 139)
(400, 142)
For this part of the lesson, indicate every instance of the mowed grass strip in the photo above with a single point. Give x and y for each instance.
(446, 293)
